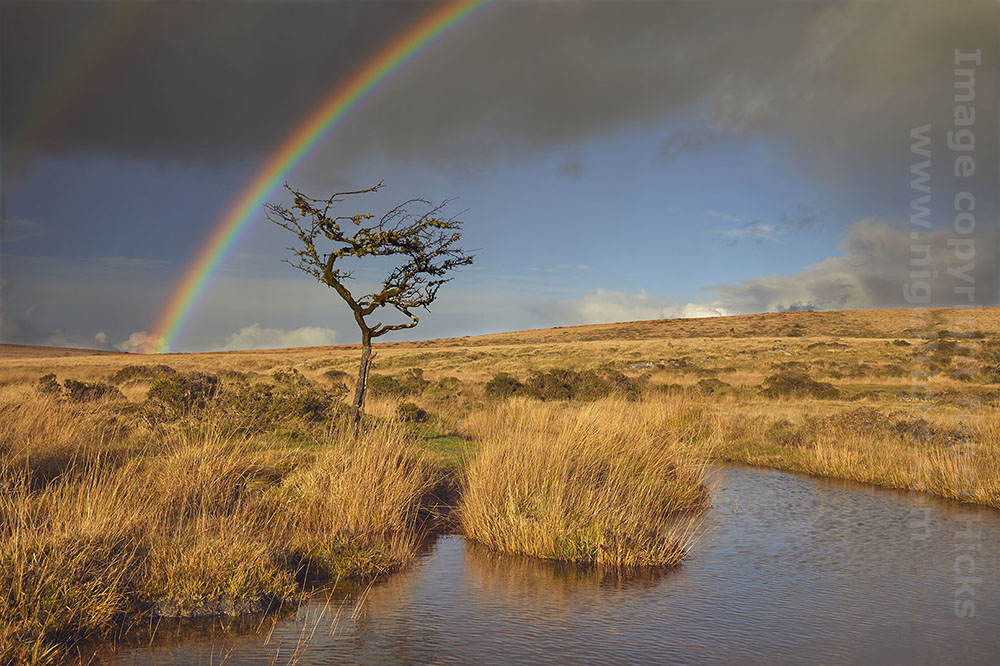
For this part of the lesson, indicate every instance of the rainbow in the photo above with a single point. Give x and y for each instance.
(334, 108)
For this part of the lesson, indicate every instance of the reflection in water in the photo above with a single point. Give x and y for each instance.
(795, 570)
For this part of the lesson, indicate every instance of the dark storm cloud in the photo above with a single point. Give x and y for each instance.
(210, 82)
(197, 81)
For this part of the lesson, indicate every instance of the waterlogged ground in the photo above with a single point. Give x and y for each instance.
(796, 569)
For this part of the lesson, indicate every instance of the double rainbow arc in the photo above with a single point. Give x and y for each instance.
(184, 299)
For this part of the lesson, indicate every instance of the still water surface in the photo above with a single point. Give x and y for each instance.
(795, 570)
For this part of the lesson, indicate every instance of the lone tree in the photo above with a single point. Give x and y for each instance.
(422, 242)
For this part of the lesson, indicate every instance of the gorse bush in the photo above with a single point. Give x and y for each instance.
(411, 382)
(564, 384)
(78, 391)
(409, 412)
(797, 384)
(181, 393)
(712, 385)
(261, 405)
(784, 433)
(989, 362)
(503, 385)
(585, 385)
(141, 373)
(337, 376)
(48, 385)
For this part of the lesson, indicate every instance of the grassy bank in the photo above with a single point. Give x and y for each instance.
(894, 449)
(106, 519)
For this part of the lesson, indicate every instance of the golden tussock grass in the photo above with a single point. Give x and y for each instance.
(895, 450)
(609, 483)
(196, 519)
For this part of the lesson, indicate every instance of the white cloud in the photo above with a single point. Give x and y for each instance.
(804, 215)
(870, 272)
(101, 338)
(723, 216)
(753, 231)
(606, 306)
(255, 337)
(561, 268)
(139, 342)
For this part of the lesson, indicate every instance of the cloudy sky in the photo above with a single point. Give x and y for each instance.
(614, 160)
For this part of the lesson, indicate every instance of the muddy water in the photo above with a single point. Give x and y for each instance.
(795, 569)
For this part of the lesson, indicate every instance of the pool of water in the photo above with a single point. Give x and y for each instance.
(794, 569)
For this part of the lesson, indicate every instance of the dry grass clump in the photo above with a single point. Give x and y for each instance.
(361, 507)
(609, 483)
(42, 437)
(104, 524)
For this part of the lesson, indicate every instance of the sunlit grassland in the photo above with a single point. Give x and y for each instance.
(121, 508)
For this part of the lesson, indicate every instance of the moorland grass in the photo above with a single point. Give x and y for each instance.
(611, 483)
(117, 506)
(104, 523)
(894, 450)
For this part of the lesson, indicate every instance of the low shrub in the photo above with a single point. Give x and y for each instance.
(503, 385)
(386, 386)
(711, 386)
(264, 405)
(989, 363)
(337, 376)
(586, 385)
(180, 393)
(411, 382)
(784, 433)
(141, 373)
(78, 391)
(862, 421)
(409, 412)
(291, 377)
(48, 385)
(893, 370)
(798, 384)
(230, 375)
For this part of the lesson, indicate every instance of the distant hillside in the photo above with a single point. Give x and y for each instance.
(844, 323)
(39, 351)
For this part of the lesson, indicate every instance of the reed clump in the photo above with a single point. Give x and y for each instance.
(608, 483)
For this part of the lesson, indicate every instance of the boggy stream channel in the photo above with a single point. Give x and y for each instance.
(794, 570)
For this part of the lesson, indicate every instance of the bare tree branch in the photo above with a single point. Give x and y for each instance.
(416, 232)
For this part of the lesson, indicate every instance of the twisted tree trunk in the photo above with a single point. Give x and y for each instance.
(358, 408)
